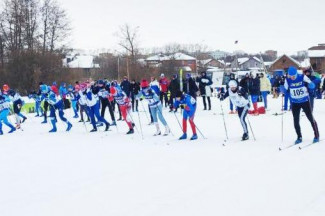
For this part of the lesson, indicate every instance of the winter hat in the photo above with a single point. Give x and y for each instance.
(113, 90)
(309, 70)
(292, 71)
(188, 75)
(232, 84)
(144, 83)
(175, 76)
(54, 83)
(5, 87)
(162, 75)
(44, 89)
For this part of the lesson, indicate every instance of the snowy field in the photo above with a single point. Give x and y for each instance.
(112, 174)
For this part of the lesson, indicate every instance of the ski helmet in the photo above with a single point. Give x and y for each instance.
(232, 84)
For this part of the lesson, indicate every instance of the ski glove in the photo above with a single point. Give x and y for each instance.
(311, 85)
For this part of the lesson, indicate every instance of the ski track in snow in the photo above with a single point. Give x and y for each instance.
(109, 173)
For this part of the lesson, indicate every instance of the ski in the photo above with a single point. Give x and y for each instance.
(287, 147)
(310, 144)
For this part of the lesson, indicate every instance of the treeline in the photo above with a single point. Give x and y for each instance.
(32, 36)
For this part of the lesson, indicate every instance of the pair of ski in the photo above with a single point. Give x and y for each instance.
(300, 146)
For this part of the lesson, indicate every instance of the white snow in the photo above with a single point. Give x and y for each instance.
(100, 174)
(82, 61)
(316, 53)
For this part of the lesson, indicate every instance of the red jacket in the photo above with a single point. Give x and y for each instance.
(164, 83)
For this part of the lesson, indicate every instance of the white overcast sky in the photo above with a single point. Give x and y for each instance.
(284, 25)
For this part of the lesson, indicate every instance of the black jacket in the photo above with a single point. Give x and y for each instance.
(203, 82)
(174, 86)
(190, 87)
(125, 86)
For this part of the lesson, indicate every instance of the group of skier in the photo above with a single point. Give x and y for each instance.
(88, 98)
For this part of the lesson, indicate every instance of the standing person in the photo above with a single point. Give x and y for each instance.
(4, 112)
(276, 86)
(295, 84)
(265, 88)
(254, 90)
(205, 89)
(135, 88)
(173, 87)
(188, 103)
(154, 105)
(38, 109)
(317, 82)
(55, 103)
(125, 86)
(124, 103)
(17, 104)
(286, 94)
(93, 107)
(82, 100)
(72, 92)
(239, 98)
(164, 83)
(189, 86)
(103, 94)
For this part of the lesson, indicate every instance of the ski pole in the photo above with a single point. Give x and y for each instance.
(178, 121)
(200, 132)
(140, 125)
(136, 128)
(145, 112)
(250, 126)
(282, 120)
(224, 121)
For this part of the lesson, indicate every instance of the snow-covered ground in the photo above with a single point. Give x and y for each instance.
(100, 174)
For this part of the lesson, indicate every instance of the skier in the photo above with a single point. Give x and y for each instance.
(188, 103)
(17, 104)
(317, 82)
(93, 107)
(104, 88)
(55, 103)
(231, 106)
(124, 103)
(4, 112)
(82, 100)
(295, 84)
(37, 98)
(239, 98)
(154, 106)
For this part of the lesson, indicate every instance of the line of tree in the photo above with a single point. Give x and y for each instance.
(32, 37)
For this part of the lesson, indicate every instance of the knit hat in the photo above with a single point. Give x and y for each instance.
(292, 71)
(144, 83)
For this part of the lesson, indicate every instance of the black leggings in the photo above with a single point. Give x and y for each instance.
(205, 103)
(242, 113)
(296, 107)
(105, 103)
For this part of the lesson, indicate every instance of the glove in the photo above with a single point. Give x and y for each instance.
(182, 106)
(311, 85)
(141, 98)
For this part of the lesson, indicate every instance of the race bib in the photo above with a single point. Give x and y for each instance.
(298, 93)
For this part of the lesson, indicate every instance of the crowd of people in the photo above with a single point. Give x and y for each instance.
(90, 99)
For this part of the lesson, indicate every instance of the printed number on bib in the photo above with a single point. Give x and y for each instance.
(298, 93)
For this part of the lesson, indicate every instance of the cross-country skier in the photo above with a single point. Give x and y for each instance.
(93, 107)
(154, 105)
(124, 103)
(103, 96)
(188, 104)
(17, 104)
(239, 98)
(4, 112)
(55, 103)
(296, 84)
(37, 98)
(82, 100)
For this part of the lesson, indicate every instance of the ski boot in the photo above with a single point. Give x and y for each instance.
(24, 119)
(245, 137)
(12, 129)
(44, 122)
(69, 126)
(1, 132)
(298, 141)
(158, 132)
(131, 131)
(106, 126)
(184, 136)
(315, 140)
(167, 131)
(53, 130)
(194, 137)
(113, 123)
(93, 130)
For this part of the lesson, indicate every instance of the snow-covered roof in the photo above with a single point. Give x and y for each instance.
(305, 63)
(292, 59)
(81, 61)
(176, 56)
(205, 61)
(181, 56)
(316, 53)
(268, 63)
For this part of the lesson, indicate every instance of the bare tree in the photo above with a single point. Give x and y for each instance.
(128, 36)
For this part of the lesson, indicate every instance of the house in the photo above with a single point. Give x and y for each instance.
(176, 60)
(211, 63)
(316, 55)
(283, 63)
(247, 63)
